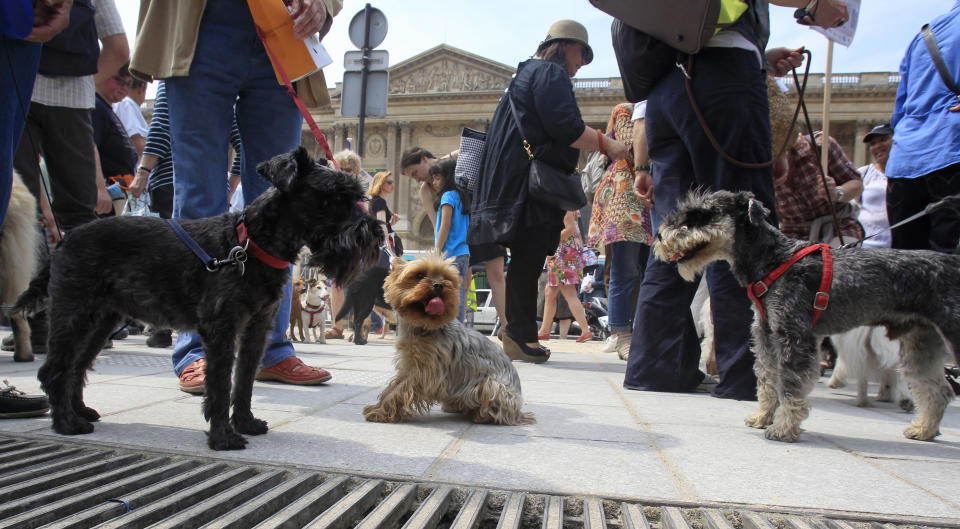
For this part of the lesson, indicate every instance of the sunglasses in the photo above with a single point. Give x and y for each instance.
(388, 182)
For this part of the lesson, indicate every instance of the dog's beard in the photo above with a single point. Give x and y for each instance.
(353, 247)
(692, 249)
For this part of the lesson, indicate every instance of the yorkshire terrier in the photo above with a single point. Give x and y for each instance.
(438, 358)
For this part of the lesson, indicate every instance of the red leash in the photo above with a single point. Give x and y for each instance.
(757, 289)
(321, 139)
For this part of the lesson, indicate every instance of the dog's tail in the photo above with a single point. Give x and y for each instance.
(34, 298)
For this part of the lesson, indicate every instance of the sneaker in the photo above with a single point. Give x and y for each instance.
(622, 345)
(610, 344)
(193, 377)
(162, 338)
(15, 404)
(292, 370)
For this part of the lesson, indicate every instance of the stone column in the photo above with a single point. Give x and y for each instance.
(393, 161)
(405, 185)
(860, 148)
(339, 133)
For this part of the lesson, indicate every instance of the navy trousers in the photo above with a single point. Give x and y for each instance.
(730, 89)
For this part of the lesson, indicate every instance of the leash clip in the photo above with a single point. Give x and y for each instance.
(237, 256)
(683, 70)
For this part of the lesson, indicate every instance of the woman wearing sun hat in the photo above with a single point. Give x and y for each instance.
(502, 211)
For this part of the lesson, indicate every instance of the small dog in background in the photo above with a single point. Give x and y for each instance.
(438, 358)
(314, 315)
(296, 309)
(866, 353)
(389, 318)
(19, 252)
(359, 298)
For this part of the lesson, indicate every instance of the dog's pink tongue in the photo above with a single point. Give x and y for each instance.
(435, 307)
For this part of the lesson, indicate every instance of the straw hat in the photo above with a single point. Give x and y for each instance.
(569, 30)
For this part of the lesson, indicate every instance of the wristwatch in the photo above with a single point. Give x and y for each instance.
(144, 168)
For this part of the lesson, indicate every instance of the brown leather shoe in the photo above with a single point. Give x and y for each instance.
(193, 377)
(292, 370)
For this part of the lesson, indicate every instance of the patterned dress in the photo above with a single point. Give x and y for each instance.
(618, 214)
(565, 267)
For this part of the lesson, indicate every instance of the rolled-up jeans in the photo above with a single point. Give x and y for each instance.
(628, 260)
(230, 68)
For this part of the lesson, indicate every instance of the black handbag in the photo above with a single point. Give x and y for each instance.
(547, 184)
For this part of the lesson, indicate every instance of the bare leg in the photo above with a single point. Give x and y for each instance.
(576, 308)
(549, 310)
(498, 287)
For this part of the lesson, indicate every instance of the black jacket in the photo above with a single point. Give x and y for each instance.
(501, 207)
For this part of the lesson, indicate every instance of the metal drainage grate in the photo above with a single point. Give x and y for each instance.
(57, 485)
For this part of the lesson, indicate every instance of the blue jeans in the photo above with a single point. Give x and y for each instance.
(462, 262)
(730, 89)
(230, 68)
(628, 260)
(24, 58)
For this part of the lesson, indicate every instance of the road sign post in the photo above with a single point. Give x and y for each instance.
(367, 30)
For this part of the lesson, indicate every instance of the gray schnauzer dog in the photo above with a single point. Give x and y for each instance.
(914, 294)
(112, 269)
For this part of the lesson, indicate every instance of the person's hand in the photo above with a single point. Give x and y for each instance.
(138, 184)
(828, 14)
(784, 60)
(394, 218)
(643, 187)
(51, 17)
(308, 17)
(616, 150)
(104, 202)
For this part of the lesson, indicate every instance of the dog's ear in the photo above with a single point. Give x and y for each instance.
(756, 211)
(283, 169)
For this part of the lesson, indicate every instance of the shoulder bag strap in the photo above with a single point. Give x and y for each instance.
(516, 119)
(931, 41)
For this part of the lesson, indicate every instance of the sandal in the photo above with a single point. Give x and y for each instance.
(520, 351)
(333, 332)
(544, 336)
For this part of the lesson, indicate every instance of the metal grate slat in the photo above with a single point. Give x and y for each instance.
(181, 500)
(44, 464)
(50, 511)
(65, 477)
(593, 517)
(753, 520)
(673, 518)
(173, 477)
(267, 503)
(553, 514)
(632, 517)
(431, 510)
(473, 508)
(512, 511)
(345, 512)
(714, 519)
(391, 509)
(218, 504)
(309, 505)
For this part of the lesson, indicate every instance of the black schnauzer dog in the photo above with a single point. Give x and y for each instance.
(112, 269)
(359, 298)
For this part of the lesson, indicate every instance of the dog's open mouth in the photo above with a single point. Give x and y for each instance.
(680, 257)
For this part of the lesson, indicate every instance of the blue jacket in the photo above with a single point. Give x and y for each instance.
(926, 135)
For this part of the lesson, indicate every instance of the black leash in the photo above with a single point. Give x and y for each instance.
(237, 255)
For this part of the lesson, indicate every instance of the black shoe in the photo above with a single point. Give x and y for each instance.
(120, 334)
(162, 338)
(16, 404)
(520, 351)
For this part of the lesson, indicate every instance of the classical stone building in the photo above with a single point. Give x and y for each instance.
(434, 94)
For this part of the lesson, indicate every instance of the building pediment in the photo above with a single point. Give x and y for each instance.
(445, 69)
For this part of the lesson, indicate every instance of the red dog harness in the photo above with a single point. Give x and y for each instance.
(757, 289)
(314, 311)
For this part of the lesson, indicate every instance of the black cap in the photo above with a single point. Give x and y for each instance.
(880, 130)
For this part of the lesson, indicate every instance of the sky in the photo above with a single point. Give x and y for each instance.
(508, 31)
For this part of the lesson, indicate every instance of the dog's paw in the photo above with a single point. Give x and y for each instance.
(226, 440)
(73, 426)
(758, 420)
(376, 414)
(88, 413)
(920, 433)
(250, 426)
(786, 434)
(906, 405)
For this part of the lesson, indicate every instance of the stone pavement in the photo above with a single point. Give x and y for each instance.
(591, 438)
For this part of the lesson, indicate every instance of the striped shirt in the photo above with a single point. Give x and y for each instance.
(78, 92)
(158, 142)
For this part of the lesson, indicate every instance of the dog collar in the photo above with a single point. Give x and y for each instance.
(258, 252)
(757, 289)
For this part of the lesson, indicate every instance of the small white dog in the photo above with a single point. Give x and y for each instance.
(865, 353)
(314, 313)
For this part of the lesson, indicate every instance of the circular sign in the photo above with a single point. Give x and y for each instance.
(378, 27)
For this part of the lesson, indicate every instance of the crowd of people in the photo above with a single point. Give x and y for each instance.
(82, 117)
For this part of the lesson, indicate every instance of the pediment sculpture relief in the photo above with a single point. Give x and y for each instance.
(446, 76)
